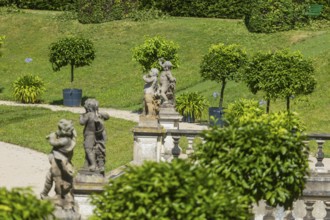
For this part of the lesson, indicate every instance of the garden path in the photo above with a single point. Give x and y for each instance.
(22, 167)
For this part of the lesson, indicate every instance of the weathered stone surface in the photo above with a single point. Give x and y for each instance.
(94, 135)
(148, 121)
(147, 144)
(61, 172)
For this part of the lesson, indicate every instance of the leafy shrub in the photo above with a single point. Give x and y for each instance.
(263, 155)
(20, 203)
(28, 88)
(191, 105)
(177, 190)
(98, 11)
(242, 108)
(199, 8)
(41, 4)
(149, 53)
(73, 51)
(222, 63)
(274, 15)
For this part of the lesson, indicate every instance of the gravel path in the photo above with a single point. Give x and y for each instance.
(21, 167)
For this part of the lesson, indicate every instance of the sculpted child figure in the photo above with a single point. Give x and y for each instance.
(167, 82)
(61, 170)
(94, 135)
(151, 103)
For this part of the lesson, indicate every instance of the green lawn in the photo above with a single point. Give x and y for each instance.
(29, 126)
(116, 80)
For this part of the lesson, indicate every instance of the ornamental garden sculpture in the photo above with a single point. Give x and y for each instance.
(61, 171)
(94, 136)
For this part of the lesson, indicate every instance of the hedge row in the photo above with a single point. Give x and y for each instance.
(200, 8)
(41, 4)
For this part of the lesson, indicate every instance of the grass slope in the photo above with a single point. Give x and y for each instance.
(116, 80)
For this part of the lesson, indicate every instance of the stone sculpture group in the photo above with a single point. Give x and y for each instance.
(156, 94)
(61, 172)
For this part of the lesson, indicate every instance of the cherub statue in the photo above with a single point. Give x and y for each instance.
(94, 135)
(61, 170)
(167, 82)
(151, 100)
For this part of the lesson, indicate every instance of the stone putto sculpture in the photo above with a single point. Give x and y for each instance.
(61, 170)
(94, 136)
(151, 100)
(167, 82)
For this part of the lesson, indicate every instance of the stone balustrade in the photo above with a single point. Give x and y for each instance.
(315, 201)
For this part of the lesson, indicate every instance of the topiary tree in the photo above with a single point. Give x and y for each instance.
(280, 74)
(222, 63)
(149, 53)
(263, 155)
(73, 51)
(177, 190)
(20, 203)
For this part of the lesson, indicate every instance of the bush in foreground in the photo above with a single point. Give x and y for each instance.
(164, 191)
(20, 203)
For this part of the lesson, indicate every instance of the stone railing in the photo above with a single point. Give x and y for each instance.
(315, 201)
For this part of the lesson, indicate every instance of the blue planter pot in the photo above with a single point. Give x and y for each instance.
(217, 113)
(189, 119)
(72, 97)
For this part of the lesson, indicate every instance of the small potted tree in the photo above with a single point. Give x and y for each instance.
(221, 64)
(76, 52)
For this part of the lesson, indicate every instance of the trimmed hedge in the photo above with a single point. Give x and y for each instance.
(274, 15)
(41, 4)
(199, 8)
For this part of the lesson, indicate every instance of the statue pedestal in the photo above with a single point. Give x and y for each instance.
(148, 138)
(86, 183)
(169, 118)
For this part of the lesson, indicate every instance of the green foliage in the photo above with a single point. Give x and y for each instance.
(163, 191)
(154, 48)
(280, 74)
(40, 4)
(73, 51)
(263, 155)
(20, 203)
(28, 88)
(222, 63)
(191, 104)
(98, 11)
(274, 15)
(199, 8)
(243, 108)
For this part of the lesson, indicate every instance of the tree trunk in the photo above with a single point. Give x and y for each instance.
(221, 93)
(72, 67)
(288, 103)
(268, 105)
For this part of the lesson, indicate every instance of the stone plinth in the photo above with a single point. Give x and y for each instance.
(86, 183)
(148, 138)
(168, 118)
